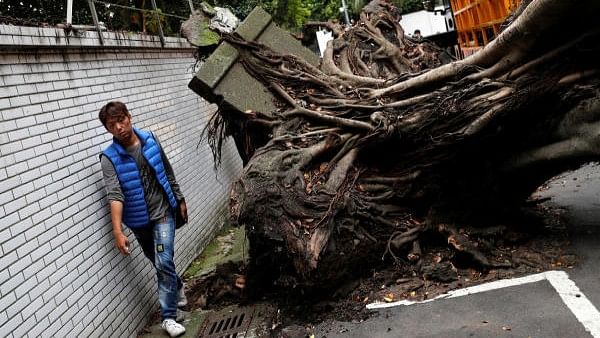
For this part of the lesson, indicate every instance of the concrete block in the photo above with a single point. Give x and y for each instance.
(49, 136)
(15, 205)
(38, 98)
(26, 89)
(74, 297)
(33, 163)
(24, 250)
(37, 128)
(221, 75)
(51, 330)
(38, 254)
(24, 288)
(23, 189)
(7, 300)
(50, 198)
(50, 77)
(18, 101)
(4, 102)
(49, 106)
(6, 197)
(42, 148)
(10, 80)
(6, 40)
(55, 314)
(52, 256)
(60, 85)
(19, 265)
(43, 117)
(23, 329)
(39, 289)
(49, 294)
(44, 87)
(66, 103)
(29, 142)
(7, 327)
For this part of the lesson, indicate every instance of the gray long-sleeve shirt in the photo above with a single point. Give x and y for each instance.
(156, 199)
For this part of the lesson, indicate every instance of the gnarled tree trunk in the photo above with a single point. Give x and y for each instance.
(388, 142)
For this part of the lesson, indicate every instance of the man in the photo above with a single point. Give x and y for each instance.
(144, 195)
(417, 35)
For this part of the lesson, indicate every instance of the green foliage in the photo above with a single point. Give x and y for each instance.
(290, 14)
(326, 10)
(35, 12)
(152, 21)
(409, 6)
(207, 37)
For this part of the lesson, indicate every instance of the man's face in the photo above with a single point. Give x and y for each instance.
(120, 127)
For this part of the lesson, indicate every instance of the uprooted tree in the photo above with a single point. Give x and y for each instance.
(389, 143)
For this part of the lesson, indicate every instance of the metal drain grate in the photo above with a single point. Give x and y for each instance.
(237, 322)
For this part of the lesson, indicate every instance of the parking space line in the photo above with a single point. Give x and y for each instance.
(585, 312)
(576, 301)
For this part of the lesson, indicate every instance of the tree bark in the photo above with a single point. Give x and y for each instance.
(386, 145)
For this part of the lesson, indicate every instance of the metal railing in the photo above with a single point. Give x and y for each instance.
(100, 15)
(155, 11)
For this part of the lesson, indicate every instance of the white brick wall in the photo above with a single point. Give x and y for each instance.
(60, 274)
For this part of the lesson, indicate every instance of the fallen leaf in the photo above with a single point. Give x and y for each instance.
(240, 282)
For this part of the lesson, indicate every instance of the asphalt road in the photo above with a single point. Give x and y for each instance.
(561, 307)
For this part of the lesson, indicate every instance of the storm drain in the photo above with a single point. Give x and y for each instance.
(238, 322)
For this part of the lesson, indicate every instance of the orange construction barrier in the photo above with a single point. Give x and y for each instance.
(478, 21)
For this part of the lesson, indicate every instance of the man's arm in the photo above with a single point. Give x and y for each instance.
(116, 217)
(170, 173)
(172, 181)
(115, 198)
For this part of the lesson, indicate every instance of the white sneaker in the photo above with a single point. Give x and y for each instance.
(173, 328)
(181, 298)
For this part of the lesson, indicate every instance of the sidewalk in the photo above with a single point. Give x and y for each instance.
(228, 245)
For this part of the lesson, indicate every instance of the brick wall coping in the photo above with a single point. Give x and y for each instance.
(36, 37)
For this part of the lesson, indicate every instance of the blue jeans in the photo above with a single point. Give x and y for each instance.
(157, 241)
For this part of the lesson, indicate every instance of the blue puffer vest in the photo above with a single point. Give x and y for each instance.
(135, 210)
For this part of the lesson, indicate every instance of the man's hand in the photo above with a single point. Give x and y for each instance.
(122, 243)
(183, 208)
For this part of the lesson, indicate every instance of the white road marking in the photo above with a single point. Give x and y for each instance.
(574, 299)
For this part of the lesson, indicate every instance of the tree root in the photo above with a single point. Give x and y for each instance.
(462, 244)
(330, 68)
(378, 140)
